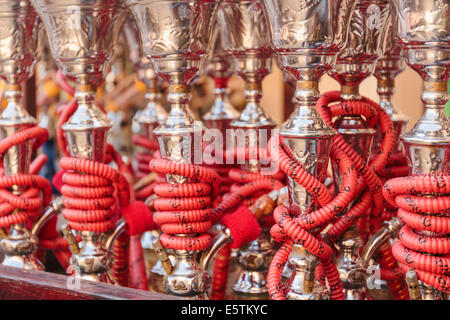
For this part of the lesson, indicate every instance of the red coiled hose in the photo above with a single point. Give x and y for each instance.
(372, 113)
(247, 188)
(190, 215)
(38, 190)
(290, 230)
(89, 203)
(144, 158)
(423, 245)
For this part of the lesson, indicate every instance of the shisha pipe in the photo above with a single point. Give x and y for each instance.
(183, 205)
(422, 198)
(176, 59)
(23, 192)
(148, 120)
(245, 37)
(387, 68)
(93, 192)
(311, 38)
(220, 68)
(355, 62)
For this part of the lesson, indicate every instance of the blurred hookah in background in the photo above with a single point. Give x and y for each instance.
(220, 67)
(356, 119)
(23, 194)
(98, 203)
(116, 81)
(387, 68)
(47, 99)
(245, 36)
(423, 247)
(307, 38)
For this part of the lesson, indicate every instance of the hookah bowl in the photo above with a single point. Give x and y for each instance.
(82, 36)
(220, 68)
(19, 35)
(307, 36)
(355, 62)
(175, 36)
(422, 29)
(245, 37)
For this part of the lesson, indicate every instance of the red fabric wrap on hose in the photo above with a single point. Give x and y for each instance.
(190, 215)
(423, 245)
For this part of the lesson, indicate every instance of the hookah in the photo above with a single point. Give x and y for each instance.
(220, 68)
(119, 135)
(98, 202)
(187, 192)
(307, 37)
(183, 204)
(148, 120)
(23, 193)
(421, 198)
(245, 36)
(355, 62)
(387, 68)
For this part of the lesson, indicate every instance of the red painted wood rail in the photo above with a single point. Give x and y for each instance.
(19, 284)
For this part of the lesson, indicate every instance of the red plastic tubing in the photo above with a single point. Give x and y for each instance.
(38, 190)
(89, 194)
(424, 245)
(185, 208)
(289, 230)
(373, 113)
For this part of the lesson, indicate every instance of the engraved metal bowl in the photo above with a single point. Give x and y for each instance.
(307, 34)
(82, 34)
(175, 34)
(19, 28)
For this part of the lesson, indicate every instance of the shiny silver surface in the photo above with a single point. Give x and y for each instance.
(220, 68)
(153, 114)
(175, 35)
(367, 41)
(188, 278)
(19, 26)
(357, 134)
(351, 270)
(303, 286)
(254, 259)
(93, 261)
(387, 68)
(81, 35)
(87, 129)
(245, 35)
(423, 33)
